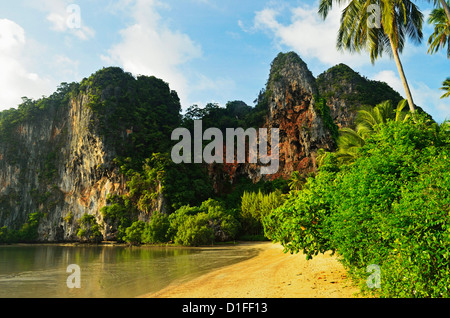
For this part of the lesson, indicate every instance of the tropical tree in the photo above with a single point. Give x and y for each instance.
(446, 87)
(441, 35)
(445, 7)
(368, 122)
(349, 142)
(398, 20)
(296, 181)
(369, 118)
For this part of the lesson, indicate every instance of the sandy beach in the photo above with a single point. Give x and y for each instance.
(270, 274)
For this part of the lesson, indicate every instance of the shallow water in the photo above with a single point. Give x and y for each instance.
(40, 271)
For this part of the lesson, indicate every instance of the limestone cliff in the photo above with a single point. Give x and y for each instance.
(309, 111)
(295, 108)
(64, 155)
(57, 155)
(346, 91)
(55, 169)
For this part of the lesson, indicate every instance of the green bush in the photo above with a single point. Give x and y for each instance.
(300, 224)
(156, 230)
(255, 207)
(89, 229)
(201, 225)
(133, 234)
(29, 231)
(223, 223)
(389, 208)
(195, 231)
(118, 216)
(420, 230)
(7, 235)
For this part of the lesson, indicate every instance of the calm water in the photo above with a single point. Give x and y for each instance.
(106, 271)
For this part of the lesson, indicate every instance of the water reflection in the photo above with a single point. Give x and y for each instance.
(106, 271)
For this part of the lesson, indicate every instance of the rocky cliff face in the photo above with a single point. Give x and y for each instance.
(57, 155)
(59, 168)
(309, 111)
(294, 107)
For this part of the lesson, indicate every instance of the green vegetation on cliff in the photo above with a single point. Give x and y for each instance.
(136, 116)
(342, 82)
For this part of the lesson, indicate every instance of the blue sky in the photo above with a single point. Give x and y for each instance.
(207, 50)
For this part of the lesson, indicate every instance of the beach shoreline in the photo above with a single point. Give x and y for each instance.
(270, 274)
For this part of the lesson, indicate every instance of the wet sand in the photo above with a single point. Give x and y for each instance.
(270, 274)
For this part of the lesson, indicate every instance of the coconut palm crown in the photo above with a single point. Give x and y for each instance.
(441, 35)
(378, 26)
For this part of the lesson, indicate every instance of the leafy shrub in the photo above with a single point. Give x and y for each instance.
(117, 217)
(390, 207)
(254, 207)
(223, 223)
(8, 235)
(419, 262)
(300, 223)
(89, 229)
(28, 233)
(195, 231)
(156, 230)
(205, 224)
(133, 234)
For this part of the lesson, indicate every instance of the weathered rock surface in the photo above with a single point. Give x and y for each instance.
(59, 164)
(309, 111)
(293, 108)
(59, 168)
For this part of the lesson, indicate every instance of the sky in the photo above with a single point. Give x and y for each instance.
(209, 51)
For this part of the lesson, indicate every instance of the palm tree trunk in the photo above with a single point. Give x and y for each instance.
(446, 9)
(412, 108)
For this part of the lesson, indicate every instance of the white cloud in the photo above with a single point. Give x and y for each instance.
(429, 99)
(65, 66)
(16, 80)
(307, 34)
(150, 47)
(66, 17)
(426, 97)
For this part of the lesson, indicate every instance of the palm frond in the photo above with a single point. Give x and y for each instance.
(441, 34)
(400, 115)
(446, 87)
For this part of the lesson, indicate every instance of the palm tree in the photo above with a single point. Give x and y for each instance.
(400, 19)
(296, 181)
(368, 121)
(446, 87)
(369, 118)
(441, 35)
(445, 7)
(349, 142)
